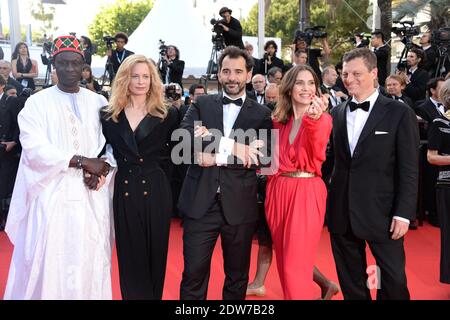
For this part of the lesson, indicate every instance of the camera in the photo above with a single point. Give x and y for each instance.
(402, 66)
(216, 27)
(162, 48)
(407, 29)
(171, 92)
(109, 40)
(309, 34)
(441, 37)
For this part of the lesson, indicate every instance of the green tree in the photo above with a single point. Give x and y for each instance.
(340, 18)
(437, 11)
(123, 15)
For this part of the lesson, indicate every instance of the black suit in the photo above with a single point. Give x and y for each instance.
(9, 161)
(233, 37)
(118, 57)
(417, 88)
(176, 68)
(233, 214)
(16, 84)
(430, 63)
(367, 189)
(382, 54)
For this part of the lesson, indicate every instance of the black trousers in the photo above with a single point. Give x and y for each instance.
(443, 209)
(199, 239)
(9, 164)
(350, 257)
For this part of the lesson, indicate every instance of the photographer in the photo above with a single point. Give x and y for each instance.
(303, 41)
(232, 29)
(88, 80)
(270, 60)
(118, 55)
(171, 67)
(417, 78)
(88, 49)
(382, 53)
(431, 55)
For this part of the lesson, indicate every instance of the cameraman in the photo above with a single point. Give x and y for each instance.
(301, 43)
(118, 55)
(382, 53)
(270, 60)
(232, 29)
(431, 55)
(171, 68)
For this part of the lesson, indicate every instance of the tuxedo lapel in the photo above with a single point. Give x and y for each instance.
(342, 124)
(127, 134)
(243, 115)
(218, 113)
(145, 128)
(376, 115)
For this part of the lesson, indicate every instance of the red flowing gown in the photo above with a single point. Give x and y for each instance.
(295, 207)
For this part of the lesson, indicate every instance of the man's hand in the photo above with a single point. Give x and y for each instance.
(398, 228)
(247, 154)
(201, 132)
(96, 166)
(206, 159)
(225, 28)
(109, 52)
(9, 145)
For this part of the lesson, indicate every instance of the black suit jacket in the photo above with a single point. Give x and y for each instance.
(427, 111)
(417, 88)
(238, 185)
(234, 36)
(382, 54)
(115, 62)
(381, 178)
(176, 69)
(276, 62)
(9, 128)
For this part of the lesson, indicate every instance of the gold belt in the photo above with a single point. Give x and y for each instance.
(298, 174)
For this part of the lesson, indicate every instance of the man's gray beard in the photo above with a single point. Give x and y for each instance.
(241, 90)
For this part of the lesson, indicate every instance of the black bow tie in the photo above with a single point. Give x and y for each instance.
(364, 106)
(397, 98)
(260, 94)
(237, 102)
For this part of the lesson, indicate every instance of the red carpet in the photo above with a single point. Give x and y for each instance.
(422, 257)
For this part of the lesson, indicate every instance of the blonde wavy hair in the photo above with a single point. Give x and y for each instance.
(284, 109)
(120, 97)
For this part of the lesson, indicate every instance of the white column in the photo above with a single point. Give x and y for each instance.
(261, 30)
(14, 23)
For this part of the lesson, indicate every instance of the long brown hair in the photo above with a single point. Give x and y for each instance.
(284, 109)
(120, 97)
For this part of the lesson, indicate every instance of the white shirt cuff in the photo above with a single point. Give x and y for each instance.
(401, 219)
(226, 146)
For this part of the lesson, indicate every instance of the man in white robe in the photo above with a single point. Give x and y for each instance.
(60, 221)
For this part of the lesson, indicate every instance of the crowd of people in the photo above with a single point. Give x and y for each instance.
(279, 150)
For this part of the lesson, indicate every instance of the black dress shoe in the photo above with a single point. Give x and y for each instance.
(433, 220)
(413, 225)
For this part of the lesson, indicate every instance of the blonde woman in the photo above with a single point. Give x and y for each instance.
(137, 124)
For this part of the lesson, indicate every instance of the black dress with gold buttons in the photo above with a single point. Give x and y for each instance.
(142, 202)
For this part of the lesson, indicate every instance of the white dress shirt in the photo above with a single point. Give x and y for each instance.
(230, 114)
(356, 121)
(438, 105)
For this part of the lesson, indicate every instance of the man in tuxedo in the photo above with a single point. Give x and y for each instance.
(272, 95)
(382, 53)
(274, 75)
(395, 84)
(429, 110)
(249, 49)
(336, 96)
(373, 189)
(5, 72)
(219, 194)
(417, 78)
(259, 86)
(172, 67)
(118, 55)
(232, 29)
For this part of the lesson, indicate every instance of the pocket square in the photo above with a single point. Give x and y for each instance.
(381, 132)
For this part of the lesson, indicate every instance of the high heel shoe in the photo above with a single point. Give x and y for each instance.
(260, 291)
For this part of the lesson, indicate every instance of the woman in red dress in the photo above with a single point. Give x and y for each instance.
(296, 194)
